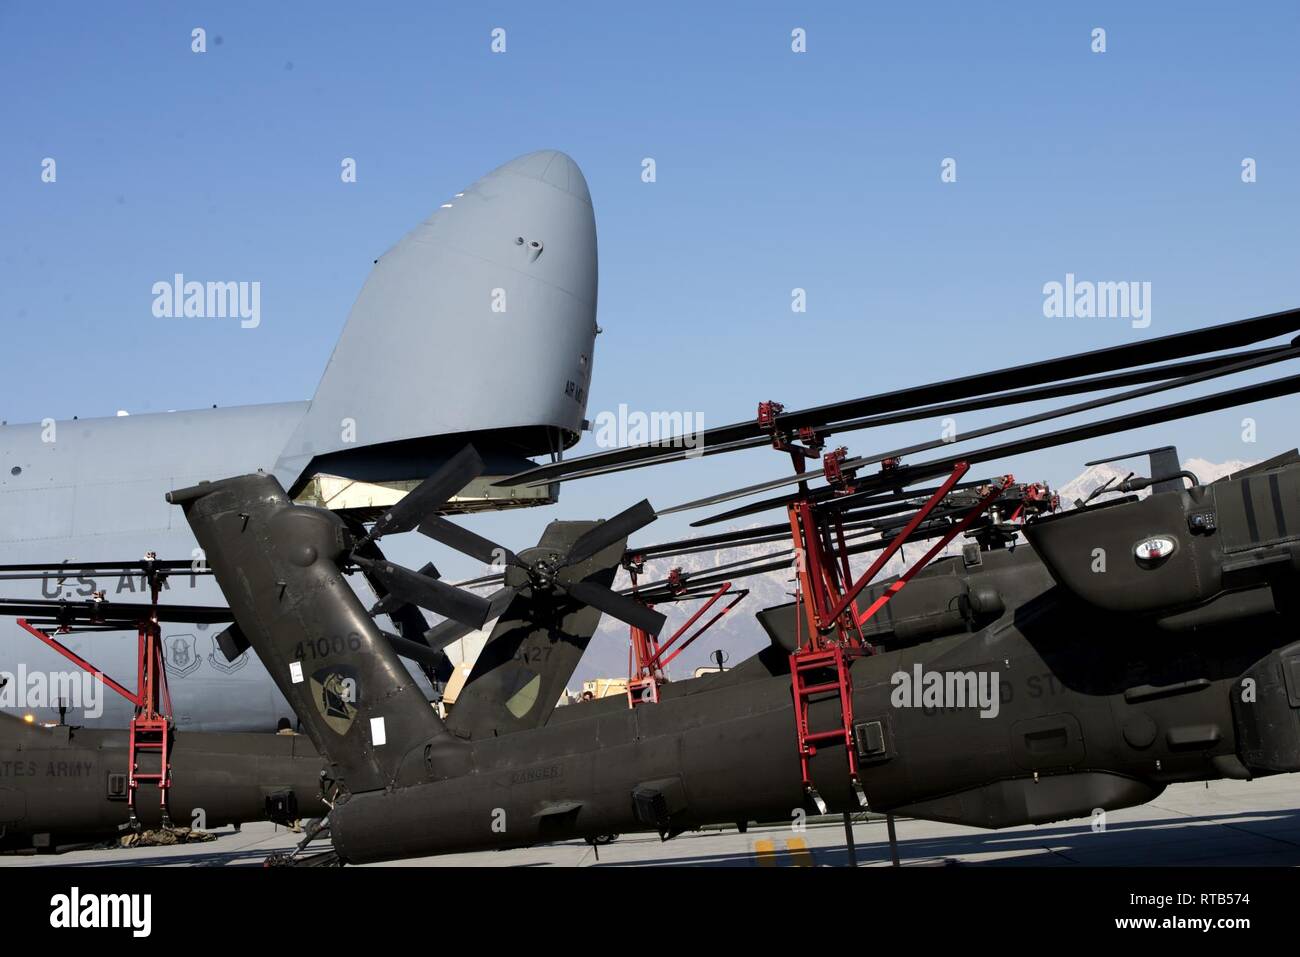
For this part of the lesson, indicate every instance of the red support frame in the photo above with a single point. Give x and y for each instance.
(648, 657)
(958, 471)
(151, 728)
(976, 510)
(77, 660)
(822, 666)
(659, 661)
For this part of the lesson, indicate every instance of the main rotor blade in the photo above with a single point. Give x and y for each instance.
(761, 534)
(620, 606)
(880, 489)
(1179, 345)
(470, 543)
(430, 593)
(461, 469)
(784, 560)
(907, 475)
(1054, 390)
(862, 518)
(69, 568)
(672, 455)
(610, 531)
(1254, 360)
(129, 614)
(847, 505)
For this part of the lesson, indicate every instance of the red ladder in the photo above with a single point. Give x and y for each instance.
(818, 672)
(149, 735)
(151, 726)
(828, 593)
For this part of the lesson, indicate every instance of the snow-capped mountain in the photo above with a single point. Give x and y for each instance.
(1091, 478)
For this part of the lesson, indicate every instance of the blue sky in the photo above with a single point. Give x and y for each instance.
(775, 170)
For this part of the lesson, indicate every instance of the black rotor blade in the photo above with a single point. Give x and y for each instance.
(429, 593)
(610, 531)
(620, 606)
(872, 497)
(493, 579)
(408, 618)
(1054, 390)
(1057, 390)
(444, 633)
(878, 489)
(761, 565)
(500, 600)
(863, 518)
(852, 532)
(128, 614)
(1179, 345)
(718, 541)
(107, 573)
(655, 592)
(1256, 359)
(429, 659)
(389, 604)
(675, 454)
(431, 494)
(470, 543)
(71, 568)
(910, 474)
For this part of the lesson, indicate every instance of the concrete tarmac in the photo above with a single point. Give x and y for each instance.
(1251, 823)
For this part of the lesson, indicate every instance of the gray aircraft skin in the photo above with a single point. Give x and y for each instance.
(497, 286)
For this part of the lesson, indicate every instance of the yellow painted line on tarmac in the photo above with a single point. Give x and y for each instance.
(796, 853)
(800, 855)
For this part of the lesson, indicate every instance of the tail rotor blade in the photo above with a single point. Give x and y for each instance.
(470, 543)
(429, 593)
(428, 658)
(608, 532)
(445, 633)
(431, 494)
(499, 601)
(620, 606)
(390, 604)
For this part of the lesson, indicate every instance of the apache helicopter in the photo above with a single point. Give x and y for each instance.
(1123, 645)
(66, 785)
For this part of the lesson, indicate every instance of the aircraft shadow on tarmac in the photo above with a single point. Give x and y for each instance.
(1269, 838)
(1244, 838)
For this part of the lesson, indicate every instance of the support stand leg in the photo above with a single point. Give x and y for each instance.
(848, 836)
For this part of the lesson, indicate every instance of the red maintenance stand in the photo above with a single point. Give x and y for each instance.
(829, 636)
(648, 657)
(151, 729)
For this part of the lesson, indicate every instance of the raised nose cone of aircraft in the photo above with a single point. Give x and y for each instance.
(482, 319)
(551, 167)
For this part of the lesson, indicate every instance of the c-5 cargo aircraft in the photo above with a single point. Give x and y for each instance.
(498, 285)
